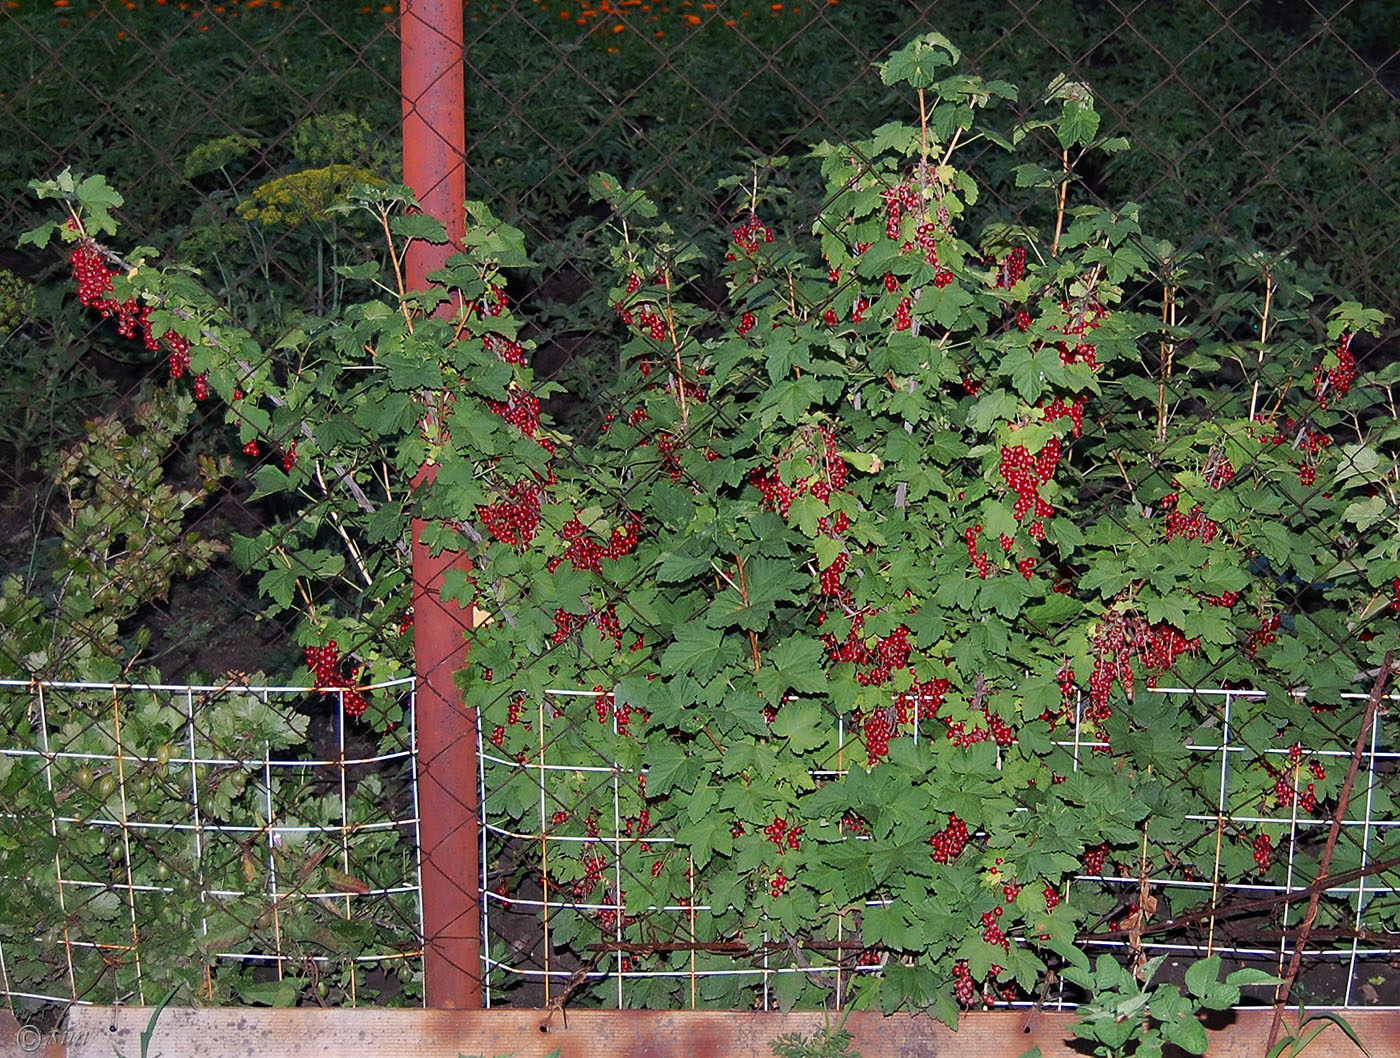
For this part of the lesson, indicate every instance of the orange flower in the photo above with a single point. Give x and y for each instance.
(60, 3)
(693, 20)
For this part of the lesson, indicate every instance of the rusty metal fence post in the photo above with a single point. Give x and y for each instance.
(435, 167)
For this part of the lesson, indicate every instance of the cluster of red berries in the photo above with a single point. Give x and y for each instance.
(508, 349)
(587, 553)
(898, 199)
(515, 518)
(493, 302)
(904, 314)
(831, 579)
(964, 988)
(1083, 318)
(876, 728)
(94, 282)
(980, 559)
(1308, 441)
(781, 834)
(875, 660)
(667, 446)
(1189, 525)
(325, 665)
(1225, 598)
(1219, 473)
(950, 841)
(179, 361)
(1122, 639)
(94, 277)
(777, 883)
(830, 472)
(638, 825)
(1025, 474)
(1336, 382)
(1264, 635)
(1283, 790)
(1263, 852)
(1073, 411)
(992, 932)
(1052, 898)
(593, 867)
(1094, 858)
(653, 323)
(520, 409)
(997, 730)
(749, 234)
(1069, 696)
(1012, 269)
(605, 708)
(612, 919)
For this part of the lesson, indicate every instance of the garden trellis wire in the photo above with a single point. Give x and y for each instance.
(184, 845)
(1201, 915)
(1250, 123)
(100, 927)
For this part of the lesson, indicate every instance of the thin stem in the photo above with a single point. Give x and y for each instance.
(675, 345)
(1263, 337)
(744, 594)
(923, 139)
(953, 145)
(1060, 206)
(1168, 353)
(399, 282)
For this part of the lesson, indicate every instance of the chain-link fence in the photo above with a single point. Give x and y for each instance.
(237, 132)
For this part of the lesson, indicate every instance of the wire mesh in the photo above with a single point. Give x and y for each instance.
(637, 952)
(173, 837)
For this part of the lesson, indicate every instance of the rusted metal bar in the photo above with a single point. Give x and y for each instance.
(329, 1033)
(434, 156)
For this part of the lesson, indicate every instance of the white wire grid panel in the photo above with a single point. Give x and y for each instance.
(1350, 959)
(252, 845)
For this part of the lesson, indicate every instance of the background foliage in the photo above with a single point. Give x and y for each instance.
(759, 481)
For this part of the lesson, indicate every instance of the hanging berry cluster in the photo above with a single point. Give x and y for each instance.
(326, 664)
(1123, 639)
(1332, 383)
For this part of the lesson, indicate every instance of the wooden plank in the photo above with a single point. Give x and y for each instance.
(99, 1032)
